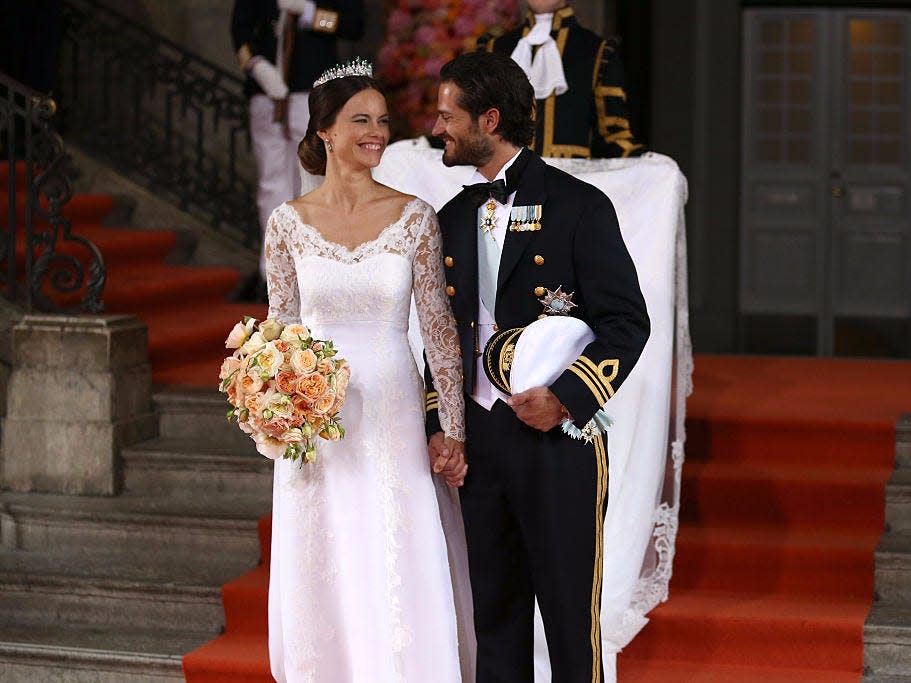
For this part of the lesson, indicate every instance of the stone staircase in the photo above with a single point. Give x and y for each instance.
(887, 633)
(118, 589)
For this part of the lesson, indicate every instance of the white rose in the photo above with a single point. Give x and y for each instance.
(254, 343)
(270, 360)
(271, 448)
(270, 329)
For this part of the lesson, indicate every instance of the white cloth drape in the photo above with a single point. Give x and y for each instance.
(645, 444)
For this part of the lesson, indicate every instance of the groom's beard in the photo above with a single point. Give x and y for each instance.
(475, 150)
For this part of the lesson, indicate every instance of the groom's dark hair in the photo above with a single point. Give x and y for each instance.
(490, 80)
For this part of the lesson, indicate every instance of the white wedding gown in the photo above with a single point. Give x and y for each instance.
(360, 587)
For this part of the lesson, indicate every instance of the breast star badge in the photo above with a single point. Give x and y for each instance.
(557, 302)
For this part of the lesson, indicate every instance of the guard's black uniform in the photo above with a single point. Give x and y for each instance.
(253, 25)
(534, 502)
(590, 119)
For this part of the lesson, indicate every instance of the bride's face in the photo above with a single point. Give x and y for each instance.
(361, 130)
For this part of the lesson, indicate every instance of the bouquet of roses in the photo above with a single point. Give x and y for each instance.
(285, 387)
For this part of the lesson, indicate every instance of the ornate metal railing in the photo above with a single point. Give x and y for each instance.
(159, 113)
(44, 266)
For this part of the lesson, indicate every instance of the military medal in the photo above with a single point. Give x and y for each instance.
(525, 218)
(558, 302)
(490, 220)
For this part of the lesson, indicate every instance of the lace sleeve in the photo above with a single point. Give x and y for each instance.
(281, 276)
(441, 341)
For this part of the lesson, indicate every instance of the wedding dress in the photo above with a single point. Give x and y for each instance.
(360, 586)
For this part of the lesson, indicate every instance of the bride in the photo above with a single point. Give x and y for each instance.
(360, 586)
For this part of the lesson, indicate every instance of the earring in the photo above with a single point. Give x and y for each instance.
(328, 145)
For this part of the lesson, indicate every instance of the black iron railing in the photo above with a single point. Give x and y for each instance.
(160, 114)
(44, 266)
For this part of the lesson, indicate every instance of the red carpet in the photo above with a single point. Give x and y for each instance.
(782, 509)
(184, 307)
(782, 498)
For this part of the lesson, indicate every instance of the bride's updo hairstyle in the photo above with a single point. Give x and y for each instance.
(326, 100)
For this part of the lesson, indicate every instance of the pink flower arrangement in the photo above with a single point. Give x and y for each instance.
(421, 36)
(285, 387)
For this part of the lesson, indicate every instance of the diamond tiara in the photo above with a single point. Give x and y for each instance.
(356, 67)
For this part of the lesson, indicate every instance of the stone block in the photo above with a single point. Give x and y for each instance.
(85, 342)
(79, 391)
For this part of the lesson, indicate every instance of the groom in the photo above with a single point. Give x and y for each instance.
(522, 241)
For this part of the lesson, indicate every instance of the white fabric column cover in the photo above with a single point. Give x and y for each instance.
(645, 444)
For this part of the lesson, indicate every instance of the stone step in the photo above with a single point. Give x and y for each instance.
(887, 640)
(92, 654)
(893, 568)
(903, 442)
(193, 467)
(898, 501)
(886, 679)
(47, 589)
(40, 600)
(158, 531)
(190, 414)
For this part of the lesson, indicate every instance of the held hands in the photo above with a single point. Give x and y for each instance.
(538, 408)
(447, 458)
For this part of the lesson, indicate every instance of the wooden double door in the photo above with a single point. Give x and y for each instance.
(825, 206)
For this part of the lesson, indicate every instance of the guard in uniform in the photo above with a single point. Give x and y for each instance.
(523, 241)
(283, 46)
(578, 80)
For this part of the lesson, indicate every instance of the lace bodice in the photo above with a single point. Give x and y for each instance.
(320, 282)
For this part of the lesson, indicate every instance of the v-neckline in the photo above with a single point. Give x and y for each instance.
(352, 250)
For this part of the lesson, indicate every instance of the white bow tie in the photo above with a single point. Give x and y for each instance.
(545, 71)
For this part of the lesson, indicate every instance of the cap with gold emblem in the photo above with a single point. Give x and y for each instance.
(522, 358)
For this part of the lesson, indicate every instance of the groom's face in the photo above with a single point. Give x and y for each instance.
(466, 145)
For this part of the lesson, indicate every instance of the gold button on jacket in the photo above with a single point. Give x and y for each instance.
(539, 291)
(450, 290)
(448, 261)
(539, 260)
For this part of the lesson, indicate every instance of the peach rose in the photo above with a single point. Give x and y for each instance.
(276, 427)
(293, 435)
(229, 366)
(239, 333)
(294, 333)
(312, 386)
(324, 403)
(286, 382)
(254, 403)
(282, 346)
(250, 383)
(301, 403)
(326, 366)
(342, 375)
(303, 361)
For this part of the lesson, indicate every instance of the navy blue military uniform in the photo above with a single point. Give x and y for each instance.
(590, 119)
(534, 502)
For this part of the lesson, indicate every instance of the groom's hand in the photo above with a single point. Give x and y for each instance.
(538, 408)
